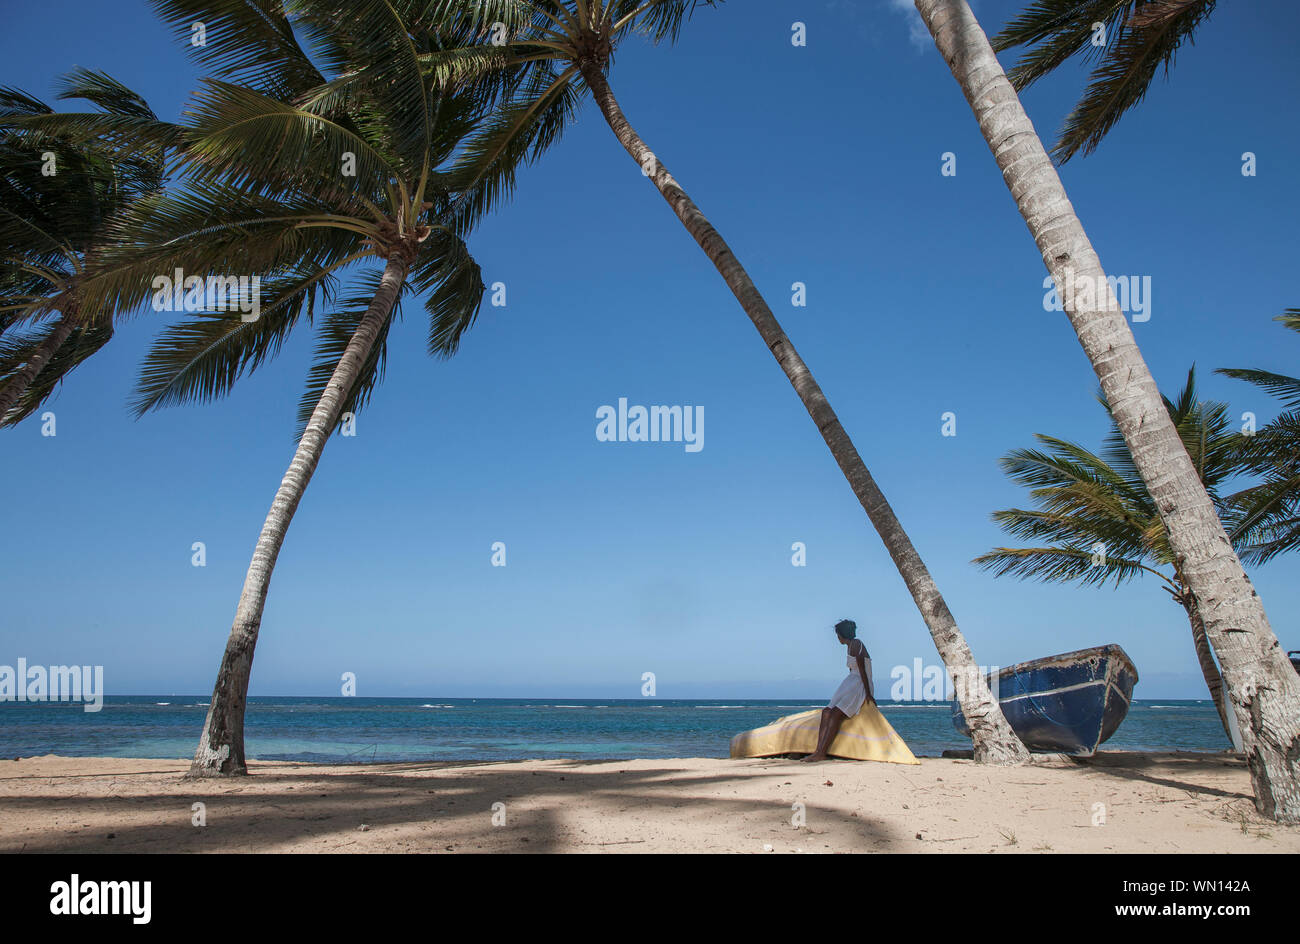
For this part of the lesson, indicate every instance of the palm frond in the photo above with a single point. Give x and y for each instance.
(1061, 564)
(104, 91)
(484, 172)
(201, 358)
(215, 229)
(254, 142)
(1142, 37)
(1263, 520)
(454, 282)
(85, 340)
(1286, 389)
(1085, 500)
(251, 42)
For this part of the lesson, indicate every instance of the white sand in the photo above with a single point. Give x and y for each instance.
(1151, 803)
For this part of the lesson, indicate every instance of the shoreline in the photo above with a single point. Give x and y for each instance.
(1116, 801)
(947, 754)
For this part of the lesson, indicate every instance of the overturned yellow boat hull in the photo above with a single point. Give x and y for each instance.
(865, 736)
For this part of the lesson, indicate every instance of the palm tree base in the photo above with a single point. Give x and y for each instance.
(199, 772)
(1001, 754)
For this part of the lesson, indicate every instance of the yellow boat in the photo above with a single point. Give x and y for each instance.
(865, 736)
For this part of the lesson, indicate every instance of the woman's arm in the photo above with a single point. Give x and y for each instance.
(862, 670)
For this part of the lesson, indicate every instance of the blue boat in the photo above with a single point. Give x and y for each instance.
(1068, 704)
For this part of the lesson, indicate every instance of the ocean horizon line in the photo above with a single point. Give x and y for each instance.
(810, 701)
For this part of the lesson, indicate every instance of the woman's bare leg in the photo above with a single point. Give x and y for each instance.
(821, 730)
(832, 718)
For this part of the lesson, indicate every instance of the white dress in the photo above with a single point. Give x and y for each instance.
(852, 692)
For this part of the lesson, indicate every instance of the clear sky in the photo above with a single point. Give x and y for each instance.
(819, 165)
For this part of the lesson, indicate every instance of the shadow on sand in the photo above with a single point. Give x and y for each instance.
(416, 807)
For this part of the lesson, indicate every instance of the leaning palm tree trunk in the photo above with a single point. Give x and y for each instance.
(1262, 686)
(221, 746)
(1210, 671)
(994, 741)
(12, 392)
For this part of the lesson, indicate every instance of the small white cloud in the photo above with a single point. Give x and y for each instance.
(917, 34)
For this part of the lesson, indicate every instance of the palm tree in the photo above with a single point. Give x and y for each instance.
(57, 194)
(268, 192)
(1263, 688)
(567, 48)
(1265, 518)
(1137, 38)
(1098, 521)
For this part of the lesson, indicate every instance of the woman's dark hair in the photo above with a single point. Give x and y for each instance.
(846, 629)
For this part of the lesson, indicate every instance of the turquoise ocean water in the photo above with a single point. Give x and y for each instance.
(337, 730)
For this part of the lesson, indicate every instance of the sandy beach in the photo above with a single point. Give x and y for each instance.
(1115, 802)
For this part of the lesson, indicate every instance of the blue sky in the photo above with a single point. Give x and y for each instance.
(819, 165)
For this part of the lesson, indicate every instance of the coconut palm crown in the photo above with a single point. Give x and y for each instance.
(321, 175)
(1265, 517)
(1127, 41)
(58, 192)
(300, 175)
(1098, 523)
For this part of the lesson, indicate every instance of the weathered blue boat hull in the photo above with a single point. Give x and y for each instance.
(1067, 704)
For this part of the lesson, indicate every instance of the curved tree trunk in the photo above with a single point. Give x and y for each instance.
(994, 741)
(22, 379)
(1263, 688)
(1209, 670)
(221, 746)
